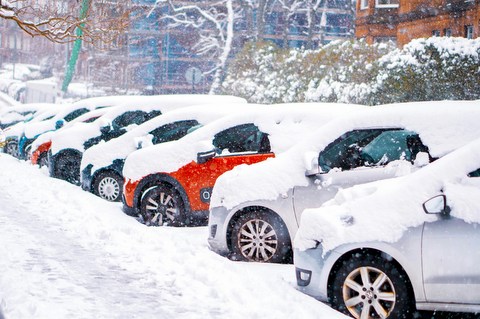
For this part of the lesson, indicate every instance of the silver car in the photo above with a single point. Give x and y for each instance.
(255, 210)
(383, 254)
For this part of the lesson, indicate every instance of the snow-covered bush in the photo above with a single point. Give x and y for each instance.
(337, 72)
(354, 72)
(430, 69)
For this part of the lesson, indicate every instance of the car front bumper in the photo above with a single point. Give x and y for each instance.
(86, 178)
(217, 230)
(311, 273)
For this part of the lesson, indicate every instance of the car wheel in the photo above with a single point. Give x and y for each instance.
(162, 205)
(369, 286)
(108, 185)
(67, 167)
(11, 148)
(260, 236)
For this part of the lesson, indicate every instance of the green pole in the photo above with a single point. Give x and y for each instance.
(70, 68)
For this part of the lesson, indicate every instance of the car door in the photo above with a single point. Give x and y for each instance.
(242, 144)
(450, 249)
(357, 157)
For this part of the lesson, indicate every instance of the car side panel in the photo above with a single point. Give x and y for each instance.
(198, 179)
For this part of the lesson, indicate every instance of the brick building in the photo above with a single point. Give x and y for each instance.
(405, 20)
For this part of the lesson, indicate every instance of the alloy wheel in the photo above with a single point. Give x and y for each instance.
(257, 240)
(368, 293)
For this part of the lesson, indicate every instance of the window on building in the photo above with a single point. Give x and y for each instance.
(447, 32)
(387, 3)
(435, 33)
(363, 4)
(469, 31)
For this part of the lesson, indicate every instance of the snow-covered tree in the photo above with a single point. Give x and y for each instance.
(212, 24)
(58, 21)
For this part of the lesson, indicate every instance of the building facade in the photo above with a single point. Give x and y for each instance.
(404, 20)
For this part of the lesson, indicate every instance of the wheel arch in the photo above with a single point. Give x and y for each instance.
(374, 252)
(246, 209)
(154, 180)
(100, 171)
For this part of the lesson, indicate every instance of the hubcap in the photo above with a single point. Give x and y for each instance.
(108, 188)
(257, 240)
(12, 149)
(368, 293)
(160, 209)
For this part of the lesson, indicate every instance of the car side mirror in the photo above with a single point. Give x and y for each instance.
(311, 164)
(437, 205)
(59, 124)
(143, 141)
(203, 157)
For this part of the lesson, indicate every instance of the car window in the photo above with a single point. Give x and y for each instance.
(172, 131)
(242, 138)
(73, 115)
(128, 118)
(475, 173)
(372, 147)
(392, 145)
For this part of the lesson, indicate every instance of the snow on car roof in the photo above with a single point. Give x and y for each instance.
(384, 210)
(75, 136)
(285, 124)
(104, 154)
(46, 137)
(442, 125)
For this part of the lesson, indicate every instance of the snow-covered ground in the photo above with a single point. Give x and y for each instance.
(65, 253)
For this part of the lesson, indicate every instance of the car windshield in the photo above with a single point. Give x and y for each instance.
(172, 131)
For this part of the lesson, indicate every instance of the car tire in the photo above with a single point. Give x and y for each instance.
(11, 148)
(366, 285)
(109, 186)
(42, 159)
(260, 236)
(162, 206)
(67, 167)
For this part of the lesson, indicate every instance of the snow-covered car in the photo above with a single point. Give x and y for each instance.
(18, 113)
(102, 165)
(68, 113)
(382, 249)
(38, 150)
(65, 154)
(171, 183)
(255, 210)
(15, 131)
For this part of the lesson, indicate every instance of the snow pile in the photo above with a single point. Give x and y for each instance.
(383, 211)
(285, 125)
(69, 254)
(442, 126)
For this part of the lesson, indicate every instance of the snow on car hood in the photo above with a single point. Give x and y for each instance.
(442, 125)
(104, 154)
(285, 124)
(383, 211)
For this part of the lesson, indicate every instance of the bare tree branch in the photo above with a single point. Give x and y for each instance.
(57, 21)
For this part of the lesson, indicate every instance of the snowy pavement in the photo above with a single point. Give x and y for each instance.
(65, 253)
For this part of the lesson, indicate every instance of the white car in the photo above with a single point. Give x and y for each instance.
(382, 249)
(255, 210)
